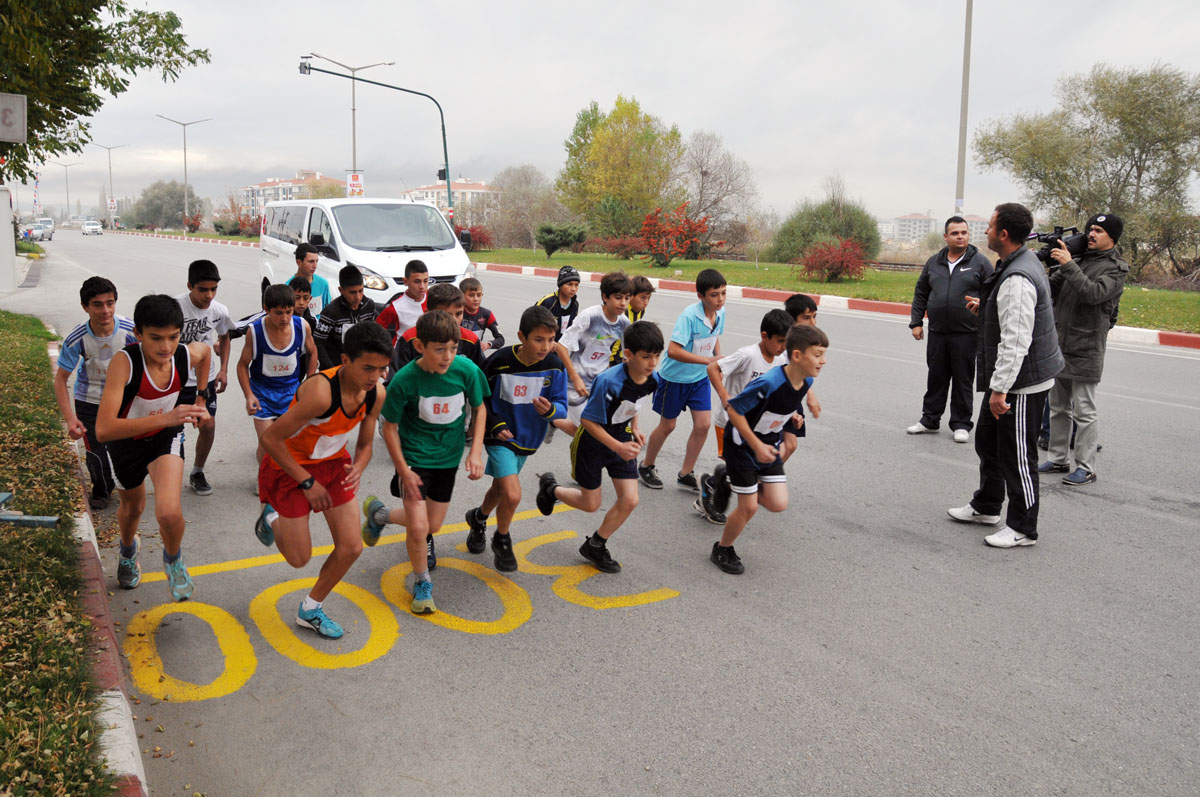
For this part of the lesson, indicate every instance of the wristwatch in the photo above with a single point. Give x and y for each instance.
(308, 483)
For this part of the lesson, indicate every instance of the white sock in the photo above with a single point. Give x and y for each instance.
(196, 469)
(424, 577)
(310, 604)
(381, 516)
(271, 518)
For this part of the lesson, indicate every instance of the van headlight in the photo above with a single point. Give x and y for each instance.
(371, 280)
(469, 271)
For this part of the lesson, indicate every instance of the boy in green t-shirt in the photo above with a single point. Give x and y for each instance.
(429, 398)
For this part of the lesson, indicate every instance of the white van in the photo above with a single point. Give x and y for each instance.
(48, 223)
(377, 236)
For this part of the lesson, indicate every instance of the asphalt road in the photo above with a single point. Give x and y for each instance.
(873, 646)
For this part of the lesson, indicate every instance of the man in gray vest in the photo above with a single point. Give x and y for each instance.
(1086, 293)
(955, 272)
(1017, 361)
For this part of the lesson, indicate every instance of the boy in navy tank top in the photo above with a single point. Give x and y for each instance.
(148, 397)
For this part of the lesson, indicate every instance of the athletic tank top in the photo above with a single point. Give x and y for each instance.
(325, 436)
(142, 398)
(276, 373)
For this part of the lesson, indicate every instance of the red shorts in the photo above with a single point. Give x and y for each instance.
(283, 492)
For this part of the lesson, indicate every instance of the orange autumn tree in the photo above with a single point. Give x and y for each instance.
(670, 235)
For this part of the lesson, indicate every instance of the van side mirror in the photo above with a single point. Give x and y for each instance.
(316, 239)
(465, 237)
(327, 251)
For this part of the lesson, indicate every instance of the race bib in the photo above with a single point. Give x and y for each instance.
(145, 408)
(328, 445)
(705, 346)
(520, 389)
(597, 351)
(628, 410)
(278, 364)
(441, 409)
(771, 423)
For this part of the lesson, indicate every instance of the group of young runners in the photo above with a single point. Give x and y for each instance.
(312, 385)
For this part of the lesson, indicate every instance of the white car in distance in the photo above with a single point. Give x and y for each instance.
(92, 228)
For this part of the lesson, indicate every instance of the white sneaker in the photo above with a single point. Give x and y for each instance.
(1007, 538)
(920, 428)
(967, 514)
(962, 436)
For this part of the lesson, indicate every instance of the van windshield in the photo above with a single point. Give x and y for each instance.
(393, 228)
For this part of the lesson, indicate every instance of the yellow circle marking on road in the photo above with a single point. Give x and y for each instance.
(146, 666)
(282, 634)
(566, 586)
(518, 608)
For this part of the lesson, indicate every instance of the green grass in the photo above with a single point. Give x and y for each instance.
(29, 248)
(1150, 308)
(178, 234)
(48, 728)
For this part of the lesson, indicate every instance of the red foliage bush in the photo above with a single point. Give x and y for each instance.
(623, 247)
(671, 235)
(481, 237)
(831, 261)
(193, 222)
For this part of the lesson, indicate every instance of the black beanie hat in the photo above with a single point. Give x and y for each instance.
(567, 274)
(1109, 222)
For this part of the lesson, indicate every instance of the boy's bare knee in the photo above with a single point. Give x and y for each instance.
(511, 494)
(351, 549)
(169, 517)
(297, 559)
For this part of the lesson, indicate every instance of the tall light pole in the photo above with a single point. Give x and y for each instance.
(306, 68)
(962, 116)
(110, 184)
(353, 103)
(184, 125)
(67, 176)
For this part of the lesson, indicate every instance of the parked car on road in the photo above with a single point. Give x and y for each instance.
(33, 231)
(48, 223)
(92, 228)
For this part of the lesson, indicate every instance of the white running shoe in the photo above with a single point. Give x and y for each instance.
(1007, 538)
(920, 428)
(967, 514)
(962, 436)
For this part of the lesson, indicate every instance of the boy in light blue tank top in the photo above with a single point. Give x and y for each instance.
(270, 368)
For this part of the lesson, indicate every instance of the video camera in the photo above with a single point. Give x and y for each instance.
(1075, 241)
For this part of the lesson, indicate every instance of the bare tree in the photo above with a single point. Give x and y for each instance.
(720, 185)
(527, 200)
(761, 226)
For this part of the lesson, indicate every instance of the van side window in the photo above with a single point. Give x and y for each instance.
(295, 223)
(318, 224)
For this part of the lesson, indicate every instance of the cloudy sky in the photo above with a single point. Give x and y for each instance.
(802, 90)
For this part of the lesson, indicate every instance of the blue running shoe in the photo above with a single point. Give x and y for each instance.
(262, 529)
(422, 602)
(317, 621)
(179, 580)
(129, 572)
(370, 529)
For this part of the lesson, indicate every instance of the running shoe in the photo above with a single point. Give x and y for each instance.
(200, 483)
(545, 494)
(317, 621)
(262, 529)
(506, 561)
(129, 572)
(431, 556)
(599, 556)
(704, 504)
(648, 475)
(967, 514)
(98, 499)
(477, 536)
(727, 559)
(722, 490)
(179, 580)
(370, 529)
(422, 602)
(688, 482)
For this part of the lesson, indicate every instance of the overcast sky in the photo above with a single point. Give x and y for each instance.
(802, 90)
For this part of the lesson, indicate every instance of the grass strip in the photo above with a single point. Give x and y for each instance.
(48, 726)
(1149, 308)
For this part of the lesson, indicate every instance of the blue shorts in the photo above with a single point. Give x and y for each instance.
(503, 461)
(271, 405)
(671, 398)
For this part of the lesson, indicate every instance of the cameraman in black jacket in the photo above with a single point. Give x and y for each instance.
(948, 278)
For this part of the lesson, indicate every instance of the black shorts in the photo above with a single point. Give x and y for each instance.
(130, 459)
(437, 484)
(745, 471)
(210, 398)
(589, 459)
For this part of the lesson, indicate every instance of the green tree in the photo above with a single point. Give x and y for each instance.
(1125, 141)
(620, 166)
(553, 237)
(63, 55)
(833, 217)
(161, 204)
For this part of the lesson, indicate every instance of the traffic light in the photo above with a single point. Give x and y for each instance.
(441, 174)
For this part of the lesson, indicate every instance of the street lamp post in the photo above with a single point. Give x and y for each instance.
(307, 68)
(353, 102)
(962, 116)
(184, 125)
(67, 177)
(110, 182)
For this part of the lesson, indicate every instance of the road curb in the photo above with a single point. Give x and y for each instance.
(217, 241)
(1119, 334)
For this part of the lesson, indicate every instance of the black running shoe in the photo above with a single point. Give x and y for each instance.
(200, 484)
(727, 559)
(545, 493)
(688, 482)
(477, 536)
(432, 559)
(704, 504)
(502, 548)
(599, 556)
(721, 488)
(648, 475)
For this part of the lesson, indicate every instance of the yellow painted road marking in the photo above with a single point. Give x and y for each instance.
(321, 550)
(518, 608)
(566, 586)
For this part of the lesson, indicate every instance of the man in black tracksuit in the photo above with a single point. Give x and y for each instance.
(342, 313)
(948, 278)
